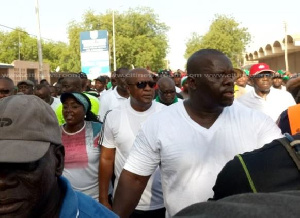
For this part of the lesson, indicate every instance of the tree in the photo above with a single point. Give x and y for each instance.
(226, 35)
(140, 38)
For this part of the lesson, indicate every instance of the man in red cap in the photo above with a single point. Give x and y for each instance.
(270, 101)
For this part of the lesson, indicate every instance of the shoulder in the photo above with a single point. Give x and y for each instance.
(88, 207)
(92, 98)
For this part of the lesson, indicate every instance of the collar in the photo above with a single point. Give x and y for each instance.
(157, 99)
(69, 207)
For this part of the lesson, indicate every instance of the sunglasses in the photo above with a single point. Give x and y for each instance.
(143, 84)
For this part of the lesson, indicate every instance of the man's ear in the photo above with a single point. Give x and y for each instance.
(59, 153)
(191, 81)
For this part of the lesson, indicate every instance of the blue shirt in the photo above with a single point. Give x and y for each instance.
(79, 205)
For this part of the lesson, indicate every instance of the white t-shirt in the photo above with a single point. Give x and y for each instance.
(121, 126)
(276, 102)
(82, 158)
(191, 156)
(56, 102)
(109, 101)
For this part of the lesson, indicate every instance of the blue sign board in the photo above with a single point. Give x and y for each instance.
(94, 53)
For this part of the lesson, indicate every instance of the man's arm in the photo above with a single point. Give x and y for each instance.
(130, 188)
(106, 165)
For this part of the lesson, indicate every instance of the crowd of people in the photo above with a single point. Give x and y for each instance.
(145, 144)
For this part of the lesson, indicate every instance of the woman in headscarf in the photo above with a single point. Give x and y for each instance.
(80, 135)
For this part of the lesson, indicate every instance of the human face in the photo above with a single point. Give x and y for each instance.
(262, 83)
(43, 94)
(277, 82)
(53, 91)
(142, 96)
(242, 81)
(27, 189)
(68, 86)
(6, 88)
(167, 93)
(73, 112)
(99, 86)
(177, 81)
(214, 87)
(26, 89)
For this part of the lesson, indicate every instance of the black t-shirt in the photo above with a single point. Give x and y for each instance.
(271, 169)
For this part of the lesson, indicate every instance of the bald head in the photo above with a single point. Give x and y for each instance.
(202, 61)
(136, 73)
(165, 82)
(71, 84)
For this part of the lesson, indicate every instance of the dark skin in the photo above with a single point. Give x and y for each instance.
(166, 90)
(262, 84)
(140, 99)
(6, 88)
(121, 83)
(211, 92)
(211, 88)
(44, 94)
(71, 84)
(277, 82)
(31, 189)
(73, 113)
(26, 89)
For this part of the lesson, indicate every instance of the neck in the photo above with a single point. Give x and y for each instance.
(140, 107)
(262, 94)
(204, 116)
(122, 92)
(73, 128)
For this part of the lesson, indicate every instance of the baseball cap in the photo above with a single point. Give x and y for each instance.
(80, 98)
(27, 82)
(28, 126)
(101, 79)
(258, 68)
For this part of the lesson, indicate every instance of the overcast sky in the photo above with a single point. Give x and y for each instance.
(263, 18)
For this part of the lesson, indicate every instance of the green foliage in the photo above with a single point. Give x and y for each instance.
(140, 41)
(18, 42)
(140, 38)
(226, 35)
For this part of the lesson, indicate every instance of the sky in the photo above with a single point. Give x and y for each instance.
(263, 18)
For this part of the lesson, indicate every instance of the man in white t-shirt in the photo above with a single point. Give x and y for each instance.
(120, 129)
(44, 93)
(192, 141)
(117, 96)
(264, 98)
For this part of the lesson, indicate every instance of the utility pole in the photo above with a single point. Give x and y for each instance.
(286, 48)
(40, 54)
(114, 39)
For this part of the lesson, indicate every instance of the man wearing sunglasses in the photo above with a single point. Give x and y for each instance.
(120, 128)
(191, 141)
(269, 101)
(6, 87)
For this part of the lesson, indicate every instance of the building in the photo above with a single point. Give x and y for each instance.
(22, 70)
(273, 54)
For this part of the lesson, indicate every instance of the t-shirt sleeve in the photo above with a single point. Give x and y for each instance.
(108, 136)
(144, 156)
(103, 107)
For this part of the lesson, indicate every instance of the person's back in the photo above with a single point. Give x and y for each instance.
(268, 169)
